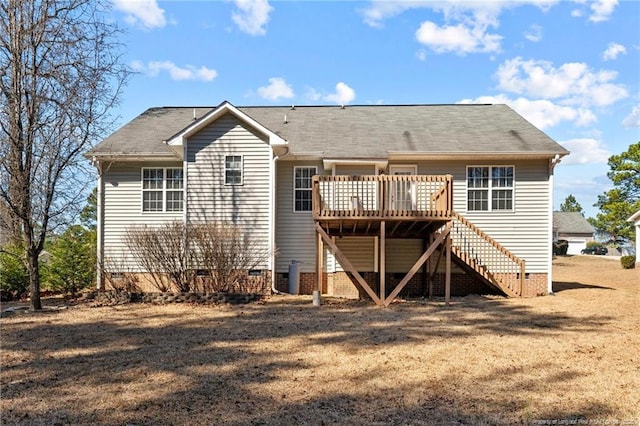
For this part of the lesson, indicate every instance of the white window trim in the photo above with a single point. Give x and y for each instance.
(164, 190)
(315, 172)
(403, 168)
(224, 177)
(490, 189)
(413, 168)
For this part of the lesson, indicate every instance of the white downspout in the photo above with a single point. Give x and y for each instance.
(100, 229)
(552, 165)
(272, 216)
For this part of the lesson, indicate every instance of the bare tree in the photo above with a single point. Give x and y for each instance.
(60, 75)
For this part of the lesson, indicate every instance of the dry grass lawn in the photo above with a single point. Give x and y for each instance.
(572, 357)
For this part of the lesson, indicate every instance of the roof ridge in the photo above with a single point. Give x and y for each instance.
(318, 106)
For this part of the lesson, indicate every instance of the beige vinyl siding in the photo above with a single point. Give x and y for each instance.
(402, 254)
(209, 199)
(525, 230)
(355, 169)
(295, 233)
(123, 208)
(360, 252)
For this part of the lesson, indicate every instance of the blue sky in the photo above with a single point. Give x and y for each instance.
(572, 68)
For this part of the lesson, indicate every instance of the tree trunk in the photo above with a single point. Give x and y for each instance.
(34, 279)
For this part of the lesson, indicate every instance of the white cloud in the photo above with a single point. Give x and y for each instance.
(277, 89)
(421, 54)
(145, 14)
(613, 50)
(534, 34)
(602, 10)
(313, 95)
(457, 38)
(378, 11)
(541, 113)
(252, 16)
(466, 23)
(469, 11)
(576, 13)
(585, 151)
(188, 72)
(572, 83)
(342, 96)
(633, 119)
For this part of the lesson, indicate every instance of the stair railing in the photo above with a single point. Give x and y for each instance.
(487, 257)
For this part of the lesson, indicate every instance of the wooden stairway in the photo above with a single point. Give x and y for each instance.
(496, 265)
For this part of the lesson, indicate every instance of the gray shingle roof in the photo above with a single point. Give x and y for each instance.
(145, 134)
(367, 131)
(571, 223)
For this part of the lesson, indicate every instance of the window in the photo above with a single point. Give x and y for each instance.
(233, 170)
(174, 182)
(489, 188)
(162, 190)
(302, 188)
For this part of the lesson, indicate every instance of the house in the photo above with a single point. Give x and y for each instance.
(375, 200)
(573, 228)
(635, 218)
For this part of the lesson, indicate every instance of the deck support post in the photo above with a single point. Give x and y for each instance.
(428, 276)
(447, 279)
(319, 262)
(383, 260)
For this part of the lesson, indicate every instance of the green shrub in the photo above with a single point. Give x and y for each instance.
(594, 244)
(72, 265)
(14, 277)
(628, 262)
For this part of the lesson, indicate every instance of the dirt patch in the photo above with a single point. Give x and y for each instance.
(482, 360)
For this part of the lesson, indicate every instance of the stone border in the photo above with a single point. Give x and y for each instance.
(162, 298)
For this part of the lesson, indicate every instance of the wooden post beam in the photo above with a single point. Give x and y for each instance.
(383, 259)
(344, 261)
(447, 278)
(319, 262)
(444, 234)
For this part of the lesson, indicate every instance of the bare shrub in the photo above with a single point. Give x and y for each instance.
(118, 274)
(225, 252)
(163, 252)
(173, 254)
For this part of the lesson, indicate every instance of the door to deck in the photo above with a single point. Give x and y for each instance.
(403, 192)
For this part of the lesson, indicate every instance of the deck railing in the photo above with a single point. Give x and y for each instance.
(382, 196)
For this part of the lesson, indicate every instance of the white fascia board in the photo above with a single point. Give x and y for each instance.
(225, 107)
(329, 163)
(135, 157)
(303, 156)
(409, 155)
(635, 218)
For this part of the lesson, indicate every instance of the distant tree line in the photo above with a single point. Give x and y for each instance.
(618, 204)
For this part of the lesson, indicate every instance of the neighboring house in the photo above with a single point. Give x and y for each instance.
(423, 199)
(636, 220)
(574, 228)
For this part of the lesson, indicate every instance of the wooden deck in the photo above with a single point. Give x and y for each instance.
(407, 206)
(412, 205)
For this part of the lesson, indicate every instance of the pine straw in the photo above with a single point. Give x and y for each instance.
(570, 357)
